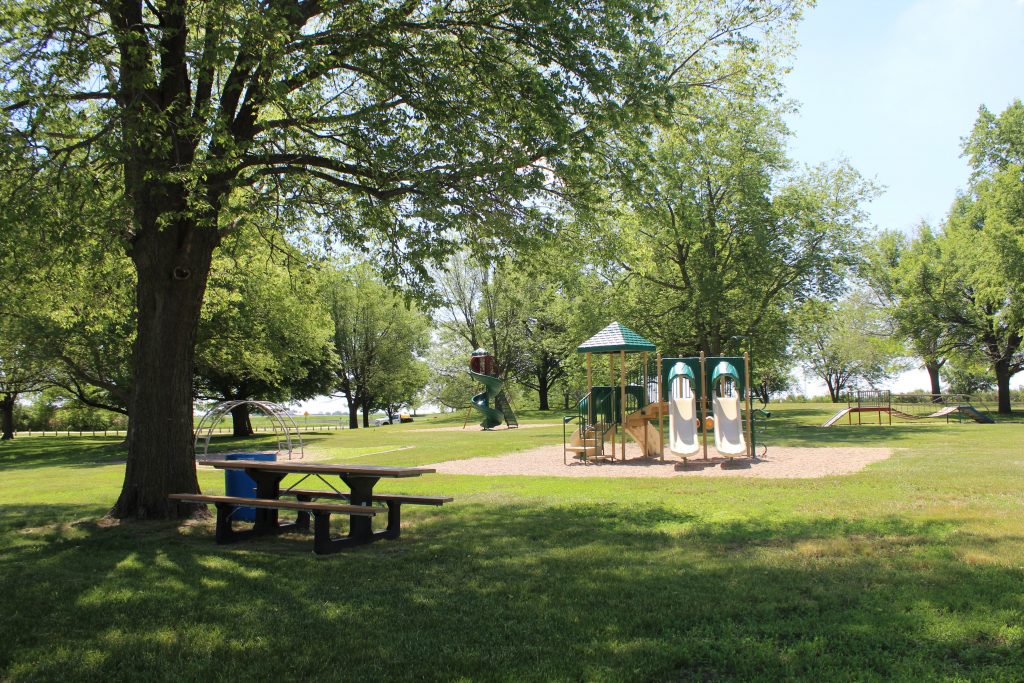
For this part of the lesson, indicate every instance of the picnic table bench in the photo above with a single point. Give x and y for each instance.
(360, 480)
(393, 502)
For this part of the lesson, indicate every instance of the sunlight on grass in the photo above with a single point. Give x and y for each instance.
(911, 568)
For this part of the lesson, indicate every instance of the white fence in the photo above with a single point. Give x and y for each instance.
(303, 429)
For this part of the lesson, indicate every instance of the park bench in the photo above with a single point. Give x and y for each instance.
(322, 542)
(393, 501)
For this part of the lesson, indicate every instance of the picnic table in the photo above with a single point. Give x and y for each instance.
(360, 481)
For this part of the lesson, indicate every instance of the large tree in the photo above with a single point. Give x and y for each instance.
(844, 344)
(422, 120)
(973, 280)
(377, 337)
(897, 270)
(264, 333)
(20, 373)
(479, 309)
(719, 239)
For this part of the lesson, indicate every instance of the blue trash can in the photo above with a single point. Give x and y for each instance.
(238, 483)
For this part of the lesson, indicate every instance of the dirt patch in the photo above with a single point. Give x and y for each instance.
(778, 463)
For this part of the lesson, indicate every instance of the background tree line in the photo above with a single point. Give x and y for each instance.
(218, 201)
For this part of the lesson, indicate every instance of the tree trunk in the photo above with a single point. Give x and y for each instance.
(172, 263)
(1003, 376)
(933, 375)
(366, 414)
(240, 422)
(7, 411)
(833, 389)
(543, 390)
(353, 410)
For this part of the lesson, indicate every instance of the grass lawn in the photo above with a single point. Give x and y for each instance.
(910, 569)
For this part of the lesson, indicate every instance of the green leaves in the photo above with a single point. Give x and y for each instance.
(264, 331)
(377, 337)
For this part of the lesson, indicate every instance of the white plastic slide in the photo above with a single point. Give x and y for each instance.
(729, 425)
(682, 417)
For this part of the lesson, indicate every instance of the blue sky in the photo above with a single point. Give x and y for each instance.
(894, 85)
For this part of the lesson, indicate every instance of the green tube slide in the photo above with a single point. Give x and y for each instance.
(484, 402)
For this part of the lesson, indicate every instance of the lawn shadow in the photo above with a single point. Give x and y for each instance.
(516, 592)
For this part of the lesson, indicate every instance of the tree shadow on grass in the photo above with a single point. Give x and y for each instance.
(581, 592)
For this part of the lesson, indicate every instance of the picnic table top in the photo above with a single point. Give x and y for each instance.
(320, 468)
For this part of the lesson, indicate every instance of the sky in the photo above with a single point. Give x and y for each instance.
(894, 86)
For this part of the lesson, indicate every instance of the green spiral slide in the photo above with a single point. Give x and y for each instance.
(492, 402)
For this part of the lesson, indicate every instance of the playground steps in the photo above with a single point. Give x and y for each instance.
(638, 425)
(502, 404)
(587, 442)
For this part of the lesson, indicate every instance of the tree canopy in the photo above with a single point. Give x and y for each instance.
(397, 126)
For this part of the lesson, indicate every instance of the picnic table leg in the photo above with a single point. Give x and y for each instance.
(224, 530)
(226, 533)
(360, 529)
(394, 529)
(268, 485)
(302, 518)
(322, 544)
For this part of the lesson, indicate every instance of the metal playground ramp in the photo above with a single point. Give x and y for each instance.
(959, 407)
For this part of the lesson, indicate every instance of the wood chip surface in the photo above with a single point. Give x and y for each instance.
(778, 463)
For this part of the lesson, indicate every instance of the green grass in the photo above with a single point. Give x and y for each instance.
(910, 569)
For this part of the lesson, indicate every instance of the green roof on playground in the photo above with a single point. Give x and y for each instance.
(615, 337)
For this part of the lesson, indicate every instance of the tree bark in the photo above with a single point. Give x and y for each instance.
(173, 263)
(833, 390)
(353, 410)
(1003, 376)
(7, 411)
(933, 375)
(366, 414)
(543, 390)
(240, 422)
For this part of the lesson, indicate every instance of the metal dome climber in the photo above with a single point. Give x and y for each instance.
(289, 439)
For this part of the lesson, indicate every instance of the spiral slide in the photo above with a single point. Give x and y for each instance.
(682, 417)
(492, 402)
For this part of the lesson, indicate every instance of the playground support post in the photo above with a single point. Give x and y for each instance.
(612, 398)
(704, 404)
(590, 393)
(661, 434)
(645, 394)
(750, 429)
(622, 392)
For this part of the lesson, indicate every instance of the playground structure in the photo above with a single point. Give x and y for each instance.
(493, 401)
(909, 407)
(289, 440)
(685, 390)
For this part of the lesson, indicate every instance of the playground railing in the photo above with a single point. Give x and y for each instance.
(917, 405)
(593, 421)
(926, 405)
(759, 426)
